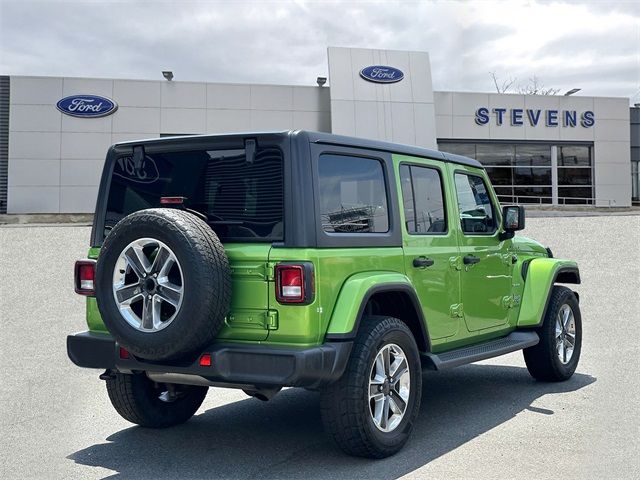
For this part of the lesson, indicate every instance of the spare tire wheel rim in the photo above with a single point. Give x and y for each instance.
(389, 387)
(148, 285)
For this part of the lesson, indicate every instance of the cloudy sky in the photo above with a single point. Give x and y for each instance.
(591, 45)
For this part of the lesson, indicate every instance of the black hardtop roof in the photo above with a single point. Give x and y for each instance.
(321, 138)
(401, 149)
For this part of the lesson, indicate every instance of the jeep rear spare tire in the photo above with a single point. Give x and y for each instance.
(163, 283)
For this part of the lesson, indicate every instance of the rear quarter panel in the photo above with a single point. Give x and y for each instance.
(306, 325)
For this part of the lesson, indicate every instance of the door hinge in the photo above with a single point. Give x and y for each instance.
(510, 301)
(272, 320)
(264, 271)
(253, 319)
(456, 310)
(509, 259)
(269, 271)
(455, 263)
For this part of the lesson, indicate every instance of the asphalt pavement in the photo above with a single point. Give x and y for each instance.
(483, 421)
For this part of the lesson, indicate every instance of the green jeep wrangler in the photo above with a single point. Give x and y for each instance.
(296, 259)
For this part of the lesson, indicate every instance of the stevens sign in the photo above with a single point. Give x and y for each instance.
(534, 117)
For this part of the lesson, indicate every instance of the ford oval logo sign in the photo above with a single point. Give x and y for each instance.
(87, 106)
(381, 74)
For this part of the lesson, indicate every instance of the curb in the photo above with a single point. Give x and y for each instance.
(48, 218)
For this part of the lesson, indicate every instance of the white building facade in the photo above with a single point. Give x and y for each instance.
(537, 149)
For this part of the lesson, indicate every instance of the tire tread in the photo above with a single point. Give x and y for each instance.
(131, 400)
(211, 284)
(541, 359)
(339, 402)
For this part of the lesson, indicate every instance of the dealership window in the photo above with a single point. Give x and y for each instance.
(353, 196)
(575, 179)
(635, 181)
(465, 149)
(523, 173)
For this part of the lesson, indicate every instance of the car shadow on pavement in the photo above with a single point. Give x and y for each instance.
(284, 438)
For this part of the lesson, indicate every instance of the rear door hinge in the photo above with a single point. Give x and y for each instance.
(272, 320)
(269, 270)
(456, 310)
(455, 263)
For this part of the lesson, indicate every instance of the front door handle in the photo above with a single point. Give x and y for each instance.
(470, 260)
(421, 262)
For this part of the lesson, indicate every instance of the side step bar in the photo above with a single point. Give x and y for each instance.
(461, 356)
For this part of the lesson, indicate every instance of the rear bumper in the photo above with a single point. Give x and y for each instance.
(230, 364)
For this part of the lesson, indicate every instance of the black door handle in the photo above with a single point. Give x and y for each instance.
(422, 262)
(470, 260)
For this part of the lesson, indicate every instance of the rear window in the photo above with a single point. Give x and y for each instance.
(242, 199)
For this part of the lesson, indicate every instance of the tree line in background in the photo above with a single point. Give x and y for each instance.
(534, 86)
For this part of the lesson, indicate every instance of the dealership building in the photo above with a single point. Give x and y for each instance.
(553, 149)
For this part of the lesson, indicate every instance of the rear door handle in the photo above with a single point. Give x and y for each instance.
(470, 260)
(421, 262)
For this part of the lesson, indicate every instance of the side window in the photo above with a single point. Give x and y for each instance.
(423, 200)
(474, 204)
(353, 196)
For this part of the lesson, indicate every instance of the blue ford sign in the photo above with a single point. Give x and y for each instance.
(381, 74)
(87, 106)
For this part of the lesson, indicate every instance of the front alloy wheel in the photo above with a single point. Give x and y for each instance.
(565, 333)
(556, 356)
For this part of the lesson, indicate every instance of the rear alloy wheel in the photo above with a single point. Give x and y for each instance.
(389, 387)
(370, 411)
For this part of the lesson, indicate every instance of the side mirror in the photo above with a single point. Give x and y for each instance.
(512, 220)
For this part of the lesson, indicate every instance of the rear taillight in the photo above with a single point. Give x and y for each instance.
(294, 282)
(85, 275)
(291, 283)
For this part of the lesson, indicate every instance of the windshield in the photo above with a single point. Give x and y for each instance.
(241, 198)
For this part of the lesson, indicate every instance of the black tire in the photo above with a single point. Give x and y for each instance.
(137, 399)
(345, 403)
(543, 360)
(206, 295)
